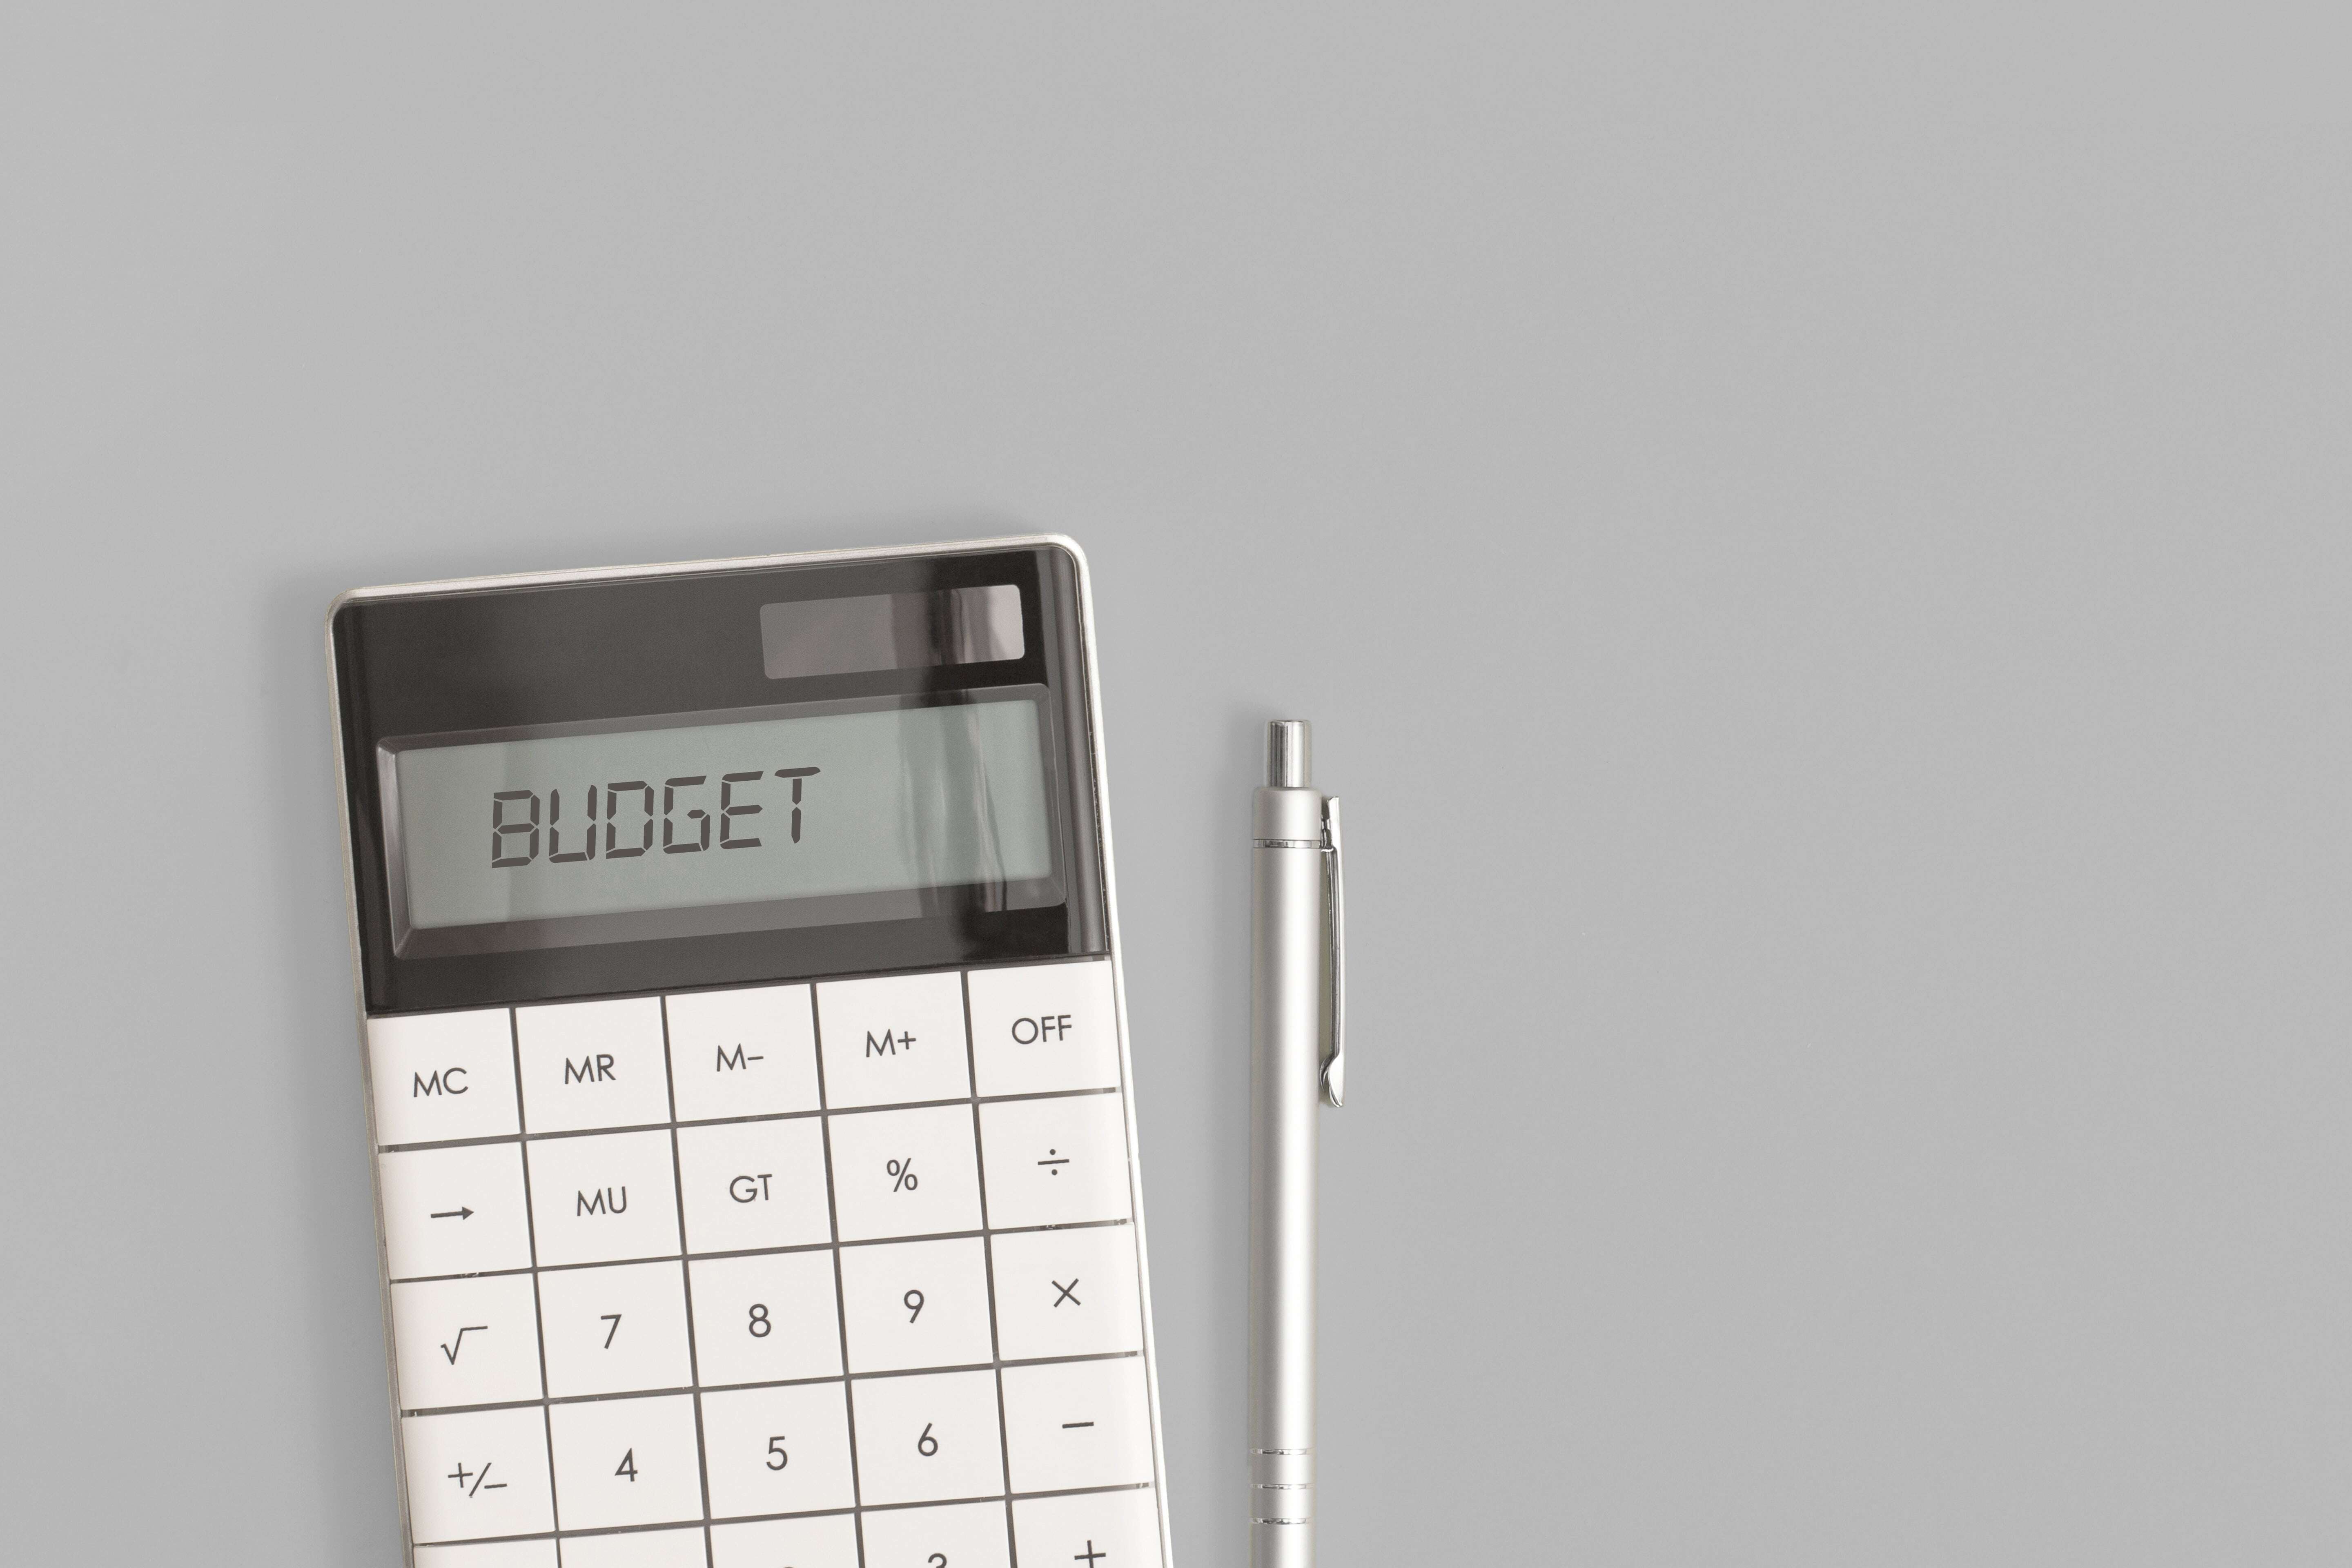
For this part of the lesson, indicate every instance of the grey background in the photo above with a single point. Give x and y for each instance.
(1815, 543)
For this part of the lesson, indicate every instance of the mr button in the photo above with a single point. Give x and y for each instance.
(593, 1064)
(1042, 1028)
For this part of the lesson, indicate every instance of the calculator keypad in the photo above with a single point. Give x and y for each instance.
(841, 1276)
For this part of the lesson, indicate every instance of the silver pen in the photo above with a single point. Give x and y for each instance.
(1298, 1000)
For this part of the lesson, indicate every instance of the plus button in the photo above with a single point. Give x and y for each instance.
(1089, 1556)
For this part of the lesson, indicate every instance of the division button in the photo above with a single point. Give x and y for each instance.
(1054, 1161)
(454, 1211)
(1043, 1028)
(476, 1474)
(593, 1064)
(742, 1053)
(894, 1041)
(439, 1076)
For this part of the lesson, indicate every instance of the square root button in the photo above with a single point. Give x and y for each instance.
(1044, 1028)
(1054, 1161)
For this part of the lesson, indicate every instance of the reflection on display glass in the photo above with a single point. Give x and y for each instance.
(722, 814)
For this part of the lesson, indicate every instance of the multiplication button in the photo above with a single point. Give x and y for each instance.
(742, 1053)
(454, 1211)
(465, 1342)
(1054, 1161)
(440, 1076)
(476, 1474)
(604, 1199)
(1066, 1292)
(893, 1042)
(593, 1064)
(905, 1173)
(1039, 1029)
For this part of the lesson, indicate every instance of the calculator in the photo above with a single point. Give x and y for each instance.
(746, 1061)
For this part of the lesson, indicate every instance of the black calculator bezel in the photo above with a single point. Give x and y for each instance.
(442, 660)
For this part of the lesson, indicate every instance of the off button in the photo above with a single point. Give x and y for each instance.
(1046, 1027)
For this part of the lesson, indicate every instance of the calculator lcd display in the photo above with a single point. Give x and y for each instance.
(686, 815)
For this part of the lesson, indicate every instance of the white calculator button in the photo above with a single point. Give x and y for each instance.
(828, 1543)
(614, 1330)
(1077, 1424)
(455, 1211)
(601, 1200)
(752, 1184)
(1054, 1161)
(891, 1042)
(465, 1342)
(593, 1064)
(964, 1535)
(742, 1053)
(765, 1319)
(489, 1555)
(476, 1474)
(440, 1076)
(626, 1461)
(637, 1549)
(914, 1304)
(905, 1173)
(1098, 1529)
(1048, 1027)
(928, 1438)
(777, 1451)
(1066, 1292)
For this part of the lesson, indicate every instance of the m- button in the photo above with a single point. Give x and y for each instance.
(442, 1075)
(1044, 1028)
(593, 1064)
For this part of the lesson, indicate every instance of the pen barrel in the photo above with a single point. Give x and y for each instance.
(1286, 1066)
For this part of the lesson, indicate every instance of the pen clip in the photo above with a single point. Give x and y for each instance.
(1335, 1060)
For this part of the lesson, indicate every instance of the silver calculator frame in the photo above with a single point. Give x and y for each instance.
(1095, 752)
